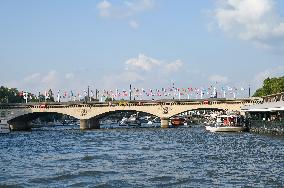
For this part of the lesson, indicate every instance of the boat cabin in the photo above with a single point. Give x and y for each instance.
(229, 120)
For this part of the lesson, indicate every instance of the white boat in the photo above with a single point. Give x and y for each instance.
(123, 122)
(227, 123)
(108, 122)
(156, 120)
(149, 122)
(54, 123)
(4, 126)
(226, 129)
(131, 121)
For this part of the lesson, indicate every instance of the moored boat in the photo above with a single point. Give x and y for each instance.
(4, 126)
(227, 123)
(226, 129)
(177, 121)
(132, 121)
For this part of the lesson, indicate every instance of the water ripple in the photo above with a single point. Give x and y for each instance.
(185, 157)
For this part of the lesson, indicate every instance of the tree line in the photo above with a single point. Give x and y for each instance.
(13, 95)
(9, 95)
(270, 86)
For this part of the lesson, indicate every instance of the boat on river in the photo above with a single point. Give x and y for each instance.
(132, 121)
(4, 126)
(227, 123)
(177, 121)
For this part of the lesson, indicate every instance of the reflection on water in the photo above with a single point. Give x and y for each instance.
(182, 157)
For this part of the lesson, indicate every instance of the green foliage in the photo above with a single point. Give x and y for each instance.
(51, 96)
(270, 86)
(9, 95)
(108, 99)
(12, 95)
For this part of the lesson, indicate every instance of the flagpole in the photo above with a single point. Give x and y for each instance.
(173, 90)
(130, 92)
(249, 90)
(88, 93)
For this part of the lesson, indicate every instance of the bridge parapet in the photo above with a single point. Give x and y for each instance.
(128, 103)
(274, 97)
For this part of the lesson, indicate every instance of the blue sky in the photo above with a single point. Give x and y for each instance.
(109, 44)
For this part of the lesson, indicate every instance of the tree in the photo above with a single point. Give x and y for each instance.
(50, 94)
(108, 99)
(270, 86)
(10, 95)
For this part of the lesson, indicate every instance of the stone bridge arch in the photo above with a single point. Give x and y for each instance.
(21, 121)
(154, 110)
(93, 121)
(199, 109)
(178, 109)
(105, 114)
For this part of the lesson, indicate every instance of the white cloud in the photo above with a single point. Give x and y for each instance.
(32, 78)
(48, 80)
(173, 66)
(145, 63)
(139, 6)
(51, 79)
(251, 20)
(69, 76)
(124, 11)
(133, 24)
(142, 62)
(218, 78)
(104, 5)
(145, 71)
(104, 8)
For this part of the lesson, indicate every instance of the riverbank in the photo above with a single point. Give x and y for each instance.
(266, 127)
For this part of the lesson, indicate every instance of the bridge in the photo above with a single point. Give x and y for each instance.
(19, 116)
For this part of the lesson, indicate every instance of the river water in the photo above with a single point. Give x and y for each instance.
(142, 157)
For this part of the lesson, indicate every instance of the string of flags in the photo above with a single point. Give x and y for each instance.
(138, 93)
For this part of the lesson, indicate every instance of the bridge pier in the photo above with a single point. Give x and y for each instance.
(87, 124)
(165, 122)
(19, 126)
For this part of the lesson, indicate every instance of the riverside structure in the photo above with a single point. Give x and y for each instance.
(268, 116)
(19, 116)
